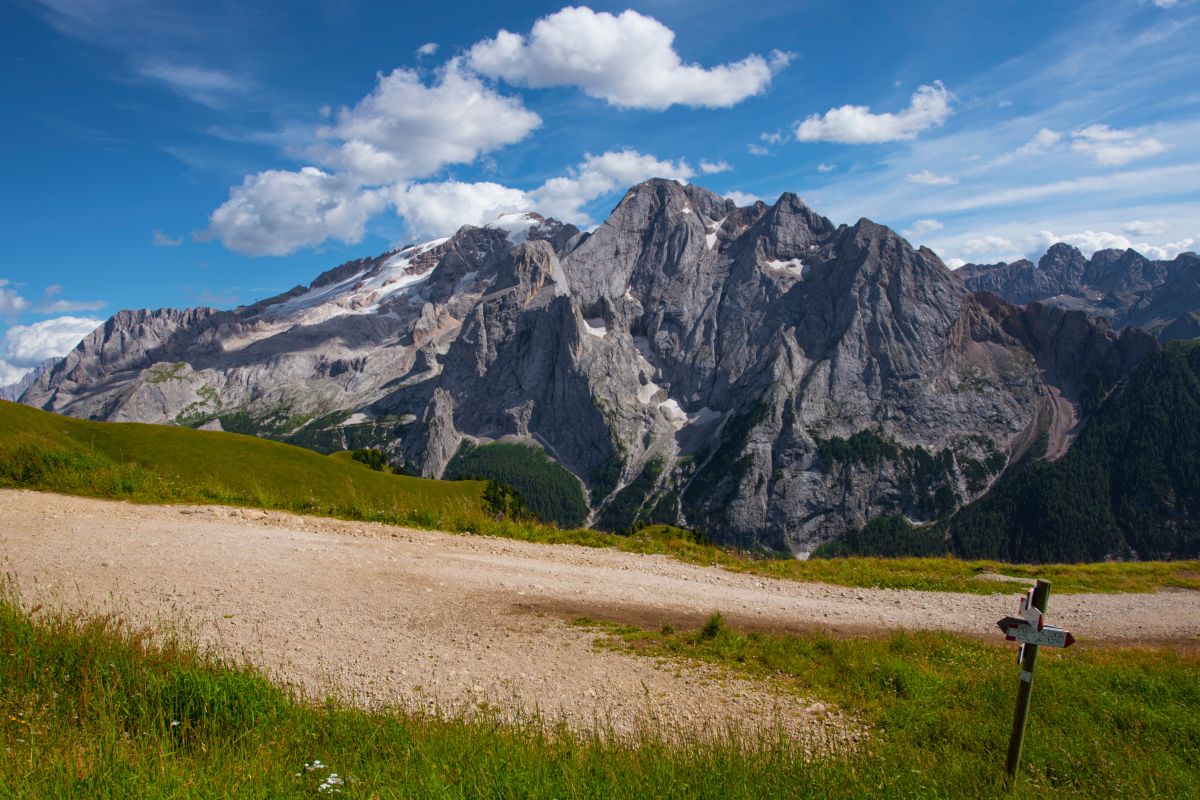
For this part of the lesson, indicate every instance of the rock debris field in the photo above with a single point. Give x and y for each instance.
(437, 623)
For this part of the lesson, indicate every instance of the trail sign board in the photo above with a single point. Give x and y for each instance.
(1017, 629)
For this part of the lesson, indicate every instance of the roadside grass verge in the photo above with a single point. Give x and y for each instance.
(164, 464)
(1104, 723)
(89, 708)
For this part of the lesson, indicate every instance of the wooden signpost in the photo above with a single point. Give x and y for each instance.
(1029, 628)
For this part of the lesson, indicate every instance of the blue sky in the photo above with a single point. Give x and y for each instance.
(172, 154)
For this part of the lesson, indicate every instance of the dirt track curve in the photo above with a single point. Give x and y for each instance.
(425, 620)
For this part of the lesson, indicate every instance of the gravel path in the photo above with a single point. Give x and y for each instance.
(425, 620)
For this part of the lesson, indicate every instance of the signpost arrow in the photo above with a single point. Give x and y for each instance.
(1017, 629)
(1048, 635)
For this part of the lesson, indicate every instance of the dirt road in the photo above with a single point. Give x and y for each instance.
(420, 619)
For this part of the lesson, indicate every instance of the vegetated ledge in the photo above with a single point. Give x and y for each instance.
(140, 463)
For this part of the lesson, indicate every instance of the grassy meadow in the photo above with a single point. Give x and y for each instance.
(164, 464)
(91, 709)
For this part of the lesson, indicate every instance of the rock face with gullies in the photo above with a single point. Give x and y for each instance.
(1162, 297)
(757, 373)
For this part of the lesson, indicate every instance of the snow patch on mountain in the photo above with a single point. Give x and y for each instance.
(792, 266)
(710, 239)
(362, 293)
(516, 224)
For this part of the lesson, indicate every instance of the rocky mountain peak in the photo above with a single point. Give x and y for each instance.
(1064, 263)
(689, 361)
(1122, 286)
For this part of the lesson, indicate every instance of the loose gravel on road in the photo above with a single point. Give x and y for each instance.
(433, 622)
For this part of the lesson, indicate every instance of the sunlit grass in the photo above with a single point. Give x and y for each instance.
(89, 708)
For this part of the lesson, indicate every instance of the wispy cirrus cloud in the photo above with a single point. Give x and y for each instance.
(52, 303)
(171, 44)
(1114, 148)
(210, 87)
(929, 178)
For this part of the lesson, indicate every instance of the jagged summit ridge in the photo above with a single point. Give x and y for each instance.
(689, 360)
(1123, 286)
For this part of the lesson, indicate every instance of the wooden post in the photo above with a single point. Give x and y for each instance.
(1041, 594)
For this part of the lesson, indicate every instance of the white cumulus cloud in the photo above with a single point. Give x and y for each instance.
(1042, 141)
(743, 198)
(824, 168)
(28, 345)
(405, 129)
(564, 197)
(11, 302)
(1112, 147)
(922, 227)
(1089, 242)
(1168, 251)
(927, 178)
(929, 107)
(10, 374)
(987, 244)
(277, 212)
(427, 49)
(713, 167)
(439, 209)
(627, 59)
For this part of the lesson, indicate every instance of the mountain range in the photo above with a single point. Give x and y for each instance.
(1122, 286)
(755, 373)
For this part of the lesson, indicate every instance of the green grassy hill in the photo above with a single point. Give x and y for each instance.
(40, 450)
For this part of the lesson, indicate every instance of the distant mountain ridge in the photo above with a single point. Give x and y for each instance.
(1123, 286)
(756, 373)
(13, 391)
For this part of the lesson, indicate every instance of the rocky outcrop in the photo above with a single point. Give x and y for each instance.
(1122, 286)
(755, 372)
